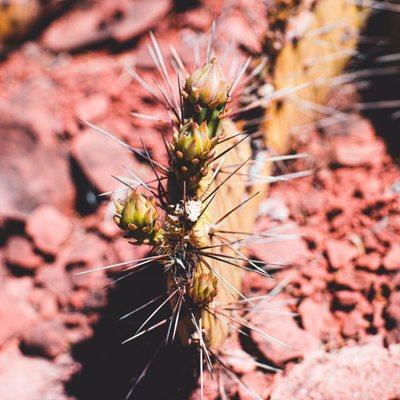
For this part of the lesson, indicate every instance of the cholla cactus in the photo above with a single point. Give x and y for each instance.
(201, 263)
(138, 217)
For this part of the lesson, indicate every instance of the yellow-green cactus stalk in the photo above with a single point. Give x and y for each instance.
(203, 288)
(138, 217)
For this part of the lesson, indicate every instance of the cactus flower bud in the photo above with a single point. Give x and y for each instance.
(207, 86)
(138, 216)
(192, 150)
(192, 142)
(203, 287)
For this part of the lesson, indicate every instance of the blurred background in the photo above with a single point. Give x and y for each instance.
(63, 62)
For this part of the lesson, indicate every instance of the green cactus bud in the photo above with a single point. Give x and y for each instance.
(203, 287)
(138, 216)
(207, 86)
(192, 142)
(192, 151)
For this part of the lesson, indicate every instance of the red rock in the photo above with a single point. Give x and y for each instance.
(75, 31)
(324, 177)
(362, 129)
(387, 236)
(283, 251)
(199, 18)
(243, 34)
(138, 135)
(393, 336)
(100, 157)
(120, 21)
(85, 248)
(55, 278)
(16, 312)
(348, 298)
(257, 283)
(317, 270)
(313, 203)
(256, 382)
(79, 327)
(284, 329)
(352, 323)
(93, 107)
(374, 339)
(140, 17)
(358, 148)
(340, 252)
(354, 279)
(31, 378)
(19, 252)
(82, 253)
(44, 301)
(312, 234)
(361, 372)
(372, 187)
(378, 319)
(316, 317)
(240, 361)
(104, 222)
(275, 208)
(396, 280)
(47, 339)
(364, 306)
(237, 359)
(23, 188)
(392, 259)
(82, 299)
(356, 154)
(394, 306)
(371, 243)
(370, 261)
(29, 111)
(48, 228)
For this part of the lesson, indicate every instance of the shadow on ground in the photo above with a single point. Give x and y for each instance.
(109, 368)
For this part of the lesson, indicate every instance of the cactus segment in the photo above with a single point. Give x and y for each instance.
(192, 152)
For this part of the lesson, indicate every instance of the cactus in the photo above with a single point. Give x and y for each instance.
(212, 179)
(207, 159)
(306, 62)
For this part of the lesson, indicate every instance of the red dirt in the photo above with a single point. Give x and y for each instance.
(344, 270)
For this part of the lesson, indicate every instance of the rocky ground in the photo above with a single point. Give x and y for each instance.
(59, 332)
